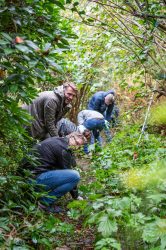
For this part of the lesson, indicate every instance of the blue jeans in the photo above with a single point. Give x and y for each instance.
(57, 183)
(94, 125)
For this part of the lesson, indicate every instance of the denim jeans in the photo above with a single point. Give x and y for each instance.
(94, 125)
(57, 183)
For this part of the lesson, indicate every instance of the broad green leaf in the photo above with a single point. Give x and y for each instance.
(54, 64)
(4, 42)
(5, 35)
(32, 44)
(107, 226)
(22, 48)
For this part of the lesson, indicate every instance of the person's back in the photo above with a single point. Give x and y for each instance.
(93, 121)
(86, 114)
(66, 127)
(103, 102)
(38, 110)
(97, 102)
(52, 154)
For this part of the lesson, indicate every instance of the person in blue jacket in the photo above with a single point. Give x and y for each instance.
(103, 102)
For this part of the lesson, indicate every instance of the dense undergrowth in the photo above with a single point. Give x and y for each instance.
(125, 201)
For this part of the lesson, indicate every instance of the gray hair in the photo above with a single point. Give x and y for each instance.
(110, 97)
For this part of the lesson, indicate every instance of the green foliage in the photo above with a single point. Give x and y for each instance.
(29, 55)
(156, 231)
(158, 114)
(129, 42)
(130, 211)
(34, 36)
(106, 243)
(36, 55)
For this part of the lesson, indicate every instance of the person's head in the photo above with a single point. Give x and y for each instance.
(109, 99)
(76, 139)
(83, 130)
(87, 133)
(70, 91)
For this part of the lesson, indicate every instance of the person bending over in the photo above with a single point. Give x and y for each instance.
(48, 108)
(93, 121)
(103, 102)
(53, 169)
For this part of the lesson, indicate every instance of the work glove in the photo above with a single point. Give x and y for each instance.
(107, 124)
(81, 129)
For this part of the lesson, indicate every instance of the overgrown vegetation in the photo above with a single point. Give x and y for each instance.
(99, 45)
(126, 201)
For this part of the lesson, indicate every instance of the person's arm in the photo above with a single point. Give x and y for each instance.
(117, 111)
(80, 118)
(50, 110)
(109, 112)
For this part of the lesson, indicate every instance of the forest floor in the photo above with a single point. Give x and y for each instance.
(83, 237)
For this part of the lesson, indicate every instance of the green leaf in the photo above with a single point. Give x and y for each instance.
(76, 3)
(8, 51)
(5, 35)
(13, 88)
(59, 4)
(64, 41)
(106, 243)
(44, 33)
(82, 12)
(54, 64)
(4, 42)
(4, 221)
(107, 226)
(31, 44)
(22, 48)
(154, 231)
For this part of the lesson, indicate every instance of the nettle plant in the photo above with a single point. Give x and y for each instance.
(127, 197)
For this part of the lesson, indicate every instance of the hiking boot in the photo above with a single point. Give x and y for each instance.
(50, 209)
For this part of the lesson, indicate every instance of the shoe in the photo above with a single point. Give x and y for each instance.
(50, 209)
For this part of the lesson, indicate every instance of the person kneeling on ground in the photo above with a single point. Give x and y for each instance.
(53, 170)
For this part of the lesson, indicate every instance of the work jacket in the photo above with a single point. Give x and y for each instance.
(97, 102)
(86, 114)
(46, 110)
(51, 154)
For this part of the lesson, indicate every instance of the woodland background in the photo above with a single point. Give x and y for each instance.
(99, 45)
